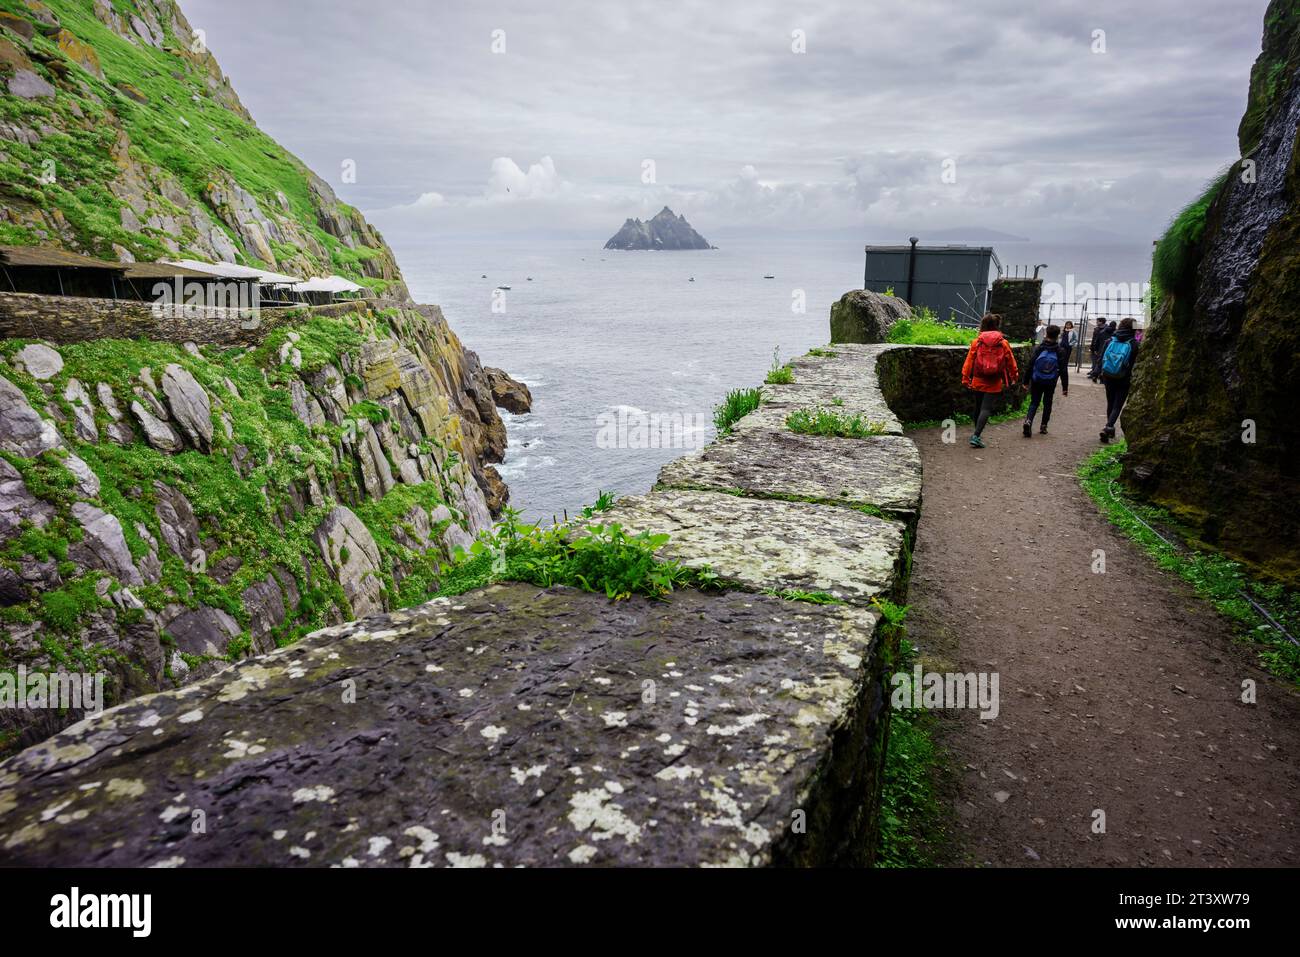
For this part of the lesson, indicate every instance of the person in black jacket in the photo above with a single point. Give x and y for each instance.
(1117, 374)
(1044, 369)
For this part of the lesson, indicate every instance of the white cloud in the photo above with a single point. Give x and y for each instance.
(508, 183)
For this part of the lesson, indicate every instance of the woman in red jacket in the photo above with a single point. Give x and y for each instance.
(989, 368)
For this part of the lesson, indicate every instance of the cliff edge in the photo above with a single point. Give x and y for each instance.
(1210, 426)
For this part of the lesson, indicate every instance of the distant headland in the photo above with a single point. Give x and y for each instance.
(666, 231)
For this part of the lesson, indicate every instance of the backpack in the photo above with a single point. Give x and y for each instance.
(988, 359)
(1047, 366)
(1114, 362)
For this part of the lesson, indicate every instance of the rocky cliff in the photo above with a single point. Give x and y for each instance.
(1211, 428)
(169, 507)
(120, 137)
(665, 231)
(166, 510)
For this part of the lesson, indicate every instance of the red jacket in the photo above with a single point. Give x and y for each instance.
(1008, 372)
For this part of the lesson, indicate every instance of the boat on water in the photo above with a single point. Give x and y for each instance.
(504, 288)
(769, 276)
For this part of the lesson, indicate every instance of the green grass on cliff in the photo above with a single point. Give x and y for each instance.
(1177, 254)
(1271, 76)
(1217, 579)
(182, 130)
(250, 523)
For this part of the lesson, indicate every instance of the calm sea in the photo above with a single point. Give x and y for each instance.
(596, 333)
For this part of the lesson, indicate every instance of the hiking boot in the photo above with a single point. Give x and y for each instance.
(1105, 436)
(976, 442)
(1029, 428)
(1042, 430)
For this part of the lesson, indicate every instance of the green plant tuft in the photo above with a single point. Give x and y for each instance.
(735, 406)
(826, 422)
(596, 557)
(925, 329)
(779, 374)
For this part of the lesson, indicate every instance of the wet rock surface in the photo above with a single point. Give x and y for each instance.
(769, 544)
(513, 727)
(509, 394)
(881, 472)
(1211, 429)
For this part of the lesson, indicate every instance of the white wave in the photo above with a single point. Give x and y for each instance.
(528, 463)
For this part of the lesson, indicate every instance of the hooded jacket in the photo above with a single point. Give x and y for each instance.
(1008, 372)
(1124, 335)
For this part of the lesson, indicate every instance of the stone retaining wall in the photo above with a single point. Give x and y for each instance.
(923, 383)
(67, 319)
(543, 727)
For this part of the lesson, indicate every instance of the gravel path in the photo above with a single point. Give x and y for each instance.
(1119, 692)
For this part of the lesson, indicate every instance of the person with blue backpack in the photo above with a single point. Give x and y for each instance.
(1117, 373)
(1050, 362)
(1100, 339)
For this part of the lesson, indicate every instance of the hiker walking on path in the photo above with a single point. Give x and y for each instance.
(989, 368)
(1099, 346)
(1117, 374)
(1100, 339)
(1050, 363)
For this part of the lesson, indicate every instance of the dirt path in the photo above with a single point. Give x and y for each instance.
(1119, 692)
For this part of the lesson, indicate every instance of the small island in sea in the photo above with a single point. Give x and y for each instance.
(666, 230)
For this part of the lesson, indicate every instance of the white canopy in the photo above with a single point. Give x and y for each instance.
(235, 271)
(330, 284)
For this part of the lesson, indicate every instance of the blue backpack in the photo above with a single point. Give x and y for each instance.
(1114, 362)
(1047, 366)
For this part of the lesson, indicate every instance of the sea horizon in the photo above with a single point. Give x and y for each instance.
(596, 332)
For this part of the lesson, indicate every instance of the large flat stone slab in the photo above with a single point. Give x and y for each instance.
(767, 544)
(881, 472)
(845, 384)
(511, 727)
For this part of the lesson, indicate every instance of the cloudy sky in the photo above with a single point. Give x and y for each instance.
(907, 115)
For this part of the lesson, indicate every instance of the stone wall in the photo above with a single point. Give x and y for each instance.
(1017, 302)
(923, 383)
(544, 727)
(68, 319)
